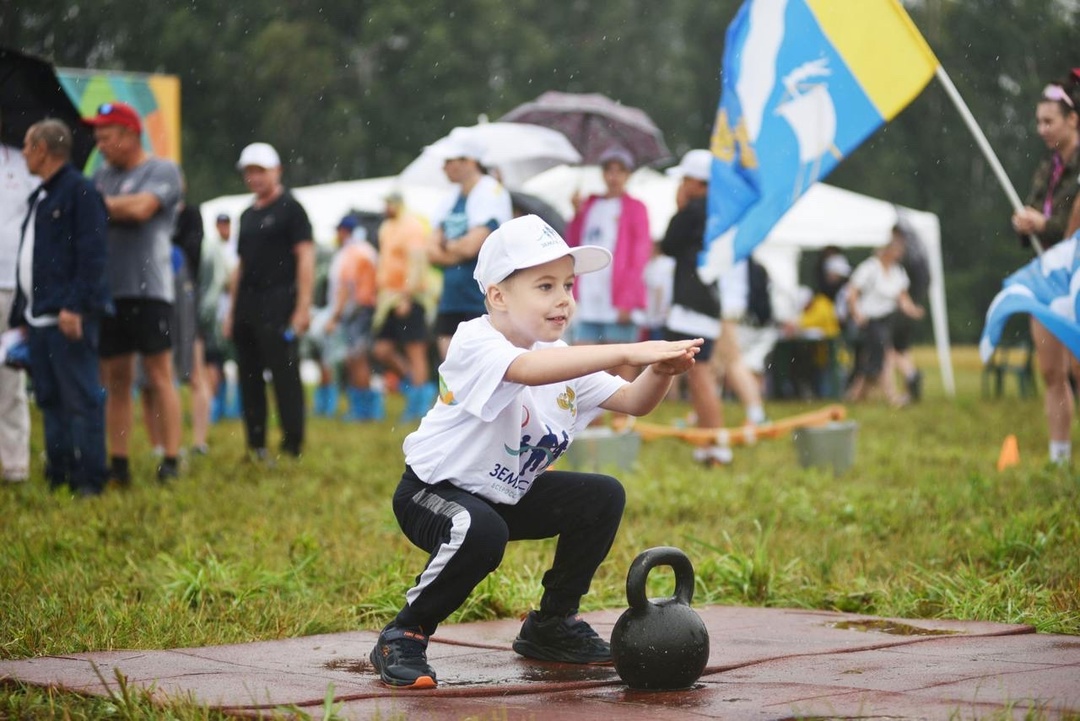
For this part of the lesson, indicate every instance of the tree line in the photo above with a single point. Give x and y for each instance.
(349, 90)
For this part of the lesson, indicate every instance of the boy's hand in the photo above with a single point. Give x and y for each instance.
(676, 366)
(666, 357)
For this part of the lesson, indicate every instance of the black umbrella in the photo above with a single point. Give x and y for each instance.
(29, 92)
(525, 204)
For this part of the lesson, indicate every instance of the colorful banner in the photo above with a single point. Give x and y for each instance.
(803, 83)
(155, 97)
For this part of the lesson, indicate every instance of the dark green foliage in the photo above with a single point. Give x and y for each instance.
(351, 90)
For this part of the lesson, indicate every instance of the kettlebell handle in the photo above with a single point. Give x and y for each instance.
(660, 556)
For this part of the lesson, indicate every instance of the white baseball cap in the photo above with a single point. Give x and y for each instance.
(261, 154)
(696, 164)
(526, 242)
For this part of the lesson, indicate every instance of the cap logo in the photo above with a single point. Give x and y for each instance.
(548, 236)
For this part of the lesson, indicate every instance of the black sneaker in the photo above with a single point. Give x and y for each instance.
(914, 386)
(565, 639)
(400, 657)
(260, 457)
(167, 472)
(119, 473)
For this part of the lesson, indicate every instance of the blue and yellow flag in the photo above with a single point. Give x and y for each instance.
(803, 83)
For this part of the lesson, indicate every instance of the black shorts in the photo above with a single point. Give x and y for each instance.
(141, 325)
(903, 328)
(876, 341)
(447, 323)
(409, 329)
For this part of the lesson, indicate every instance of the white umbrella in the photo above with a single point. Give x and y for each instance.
(518, 151)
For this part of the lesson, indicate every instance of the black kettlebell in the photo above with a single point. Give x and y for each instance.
(660, 644)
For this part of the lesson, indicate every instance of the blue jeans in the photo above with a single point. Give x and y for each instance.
(589, 332)
(68, 390)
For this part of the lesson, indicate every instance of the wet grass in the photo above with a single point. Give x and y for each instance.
(922, 526)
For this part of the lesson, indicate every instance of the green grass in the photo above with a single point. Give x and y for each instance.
(923, 526)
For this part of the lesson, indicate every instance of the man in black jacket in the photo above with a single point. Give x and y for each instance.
(62, 294)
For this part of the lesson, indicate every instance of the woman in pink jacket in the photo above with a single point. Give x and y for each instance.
(619, 223)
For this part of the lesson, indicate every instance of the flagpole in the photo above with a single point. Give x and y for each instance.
(984, 145)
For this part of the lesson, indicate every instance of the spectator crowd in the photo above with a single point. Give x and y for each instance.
(117, 300)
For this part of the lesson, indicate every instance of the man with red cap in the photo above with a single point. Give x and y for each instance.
(142, 195)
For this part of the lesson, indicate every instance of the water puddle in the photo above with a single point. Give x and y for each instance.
(894, 628)
(564, 673)
(349, 665)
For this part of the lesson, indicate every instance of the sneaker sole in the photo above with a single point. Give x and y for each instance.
(528, 649)
(423, 682)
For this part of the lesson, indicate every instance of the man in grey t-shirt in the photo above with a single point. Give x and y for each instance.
(142, 194)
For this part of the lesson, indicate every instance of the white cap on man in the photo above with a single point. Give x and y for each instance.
(262, 155)
(696, 164)
(526, 242)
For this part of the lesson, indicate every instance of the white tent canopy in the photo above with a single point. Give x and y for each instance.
(327, 204)
(831, 216)
(825, 215)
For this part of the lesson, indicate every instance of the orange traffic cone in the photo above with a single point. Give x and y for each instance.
(1010, 453)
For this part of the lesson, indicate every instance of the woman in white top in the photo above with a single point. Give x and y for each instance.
(878, 288)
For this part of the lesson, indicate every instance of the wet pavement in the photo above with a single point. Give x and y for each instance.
(763, 664)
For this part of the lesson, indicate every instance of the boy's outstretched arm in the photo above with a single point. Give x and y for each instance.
(646, 391)
(554, 365)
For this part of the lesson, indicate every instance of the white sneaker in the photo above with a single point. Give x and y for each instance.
(714, 455)
(16, 475)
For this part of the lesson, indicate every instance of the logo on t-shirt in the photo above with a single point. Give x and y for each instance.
(445, 394)
(566, 401)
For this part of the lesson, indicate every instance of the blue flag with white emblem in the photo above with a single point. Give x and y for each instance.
(804, 82)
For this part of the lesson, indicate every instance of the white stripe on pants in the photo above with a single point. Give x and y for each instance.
(14, 410)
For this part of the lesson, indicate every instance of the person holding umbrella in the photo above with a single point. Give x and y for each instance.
(619, 223)
(468, 217)
(16, 182)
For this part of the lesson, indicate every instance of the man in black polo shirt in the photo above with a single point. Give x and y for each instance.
(271, 293)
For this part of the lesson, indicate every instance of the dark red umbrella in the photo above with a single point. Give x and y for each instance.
(595, 123)
(30, 91)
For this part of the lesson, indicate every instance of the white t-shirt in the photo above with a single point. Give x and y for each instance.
(488, 200)
(659, 277)
(26, 271)
(489, 436)
(692, 323)
(601, 227)
(735, 291)
(879, 289)
(16, 184)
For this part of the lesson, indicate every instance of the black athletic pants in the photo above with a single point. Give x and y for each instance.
(466, 536)
(262, 343)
